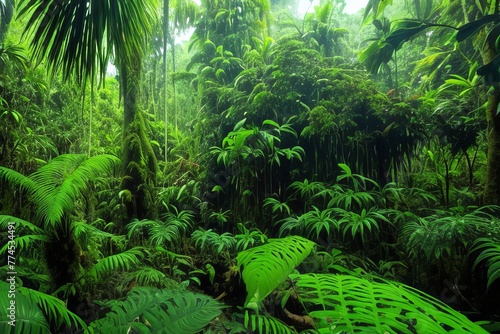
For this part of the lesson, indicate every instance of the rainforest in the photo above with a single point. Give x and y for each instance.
(249, 166)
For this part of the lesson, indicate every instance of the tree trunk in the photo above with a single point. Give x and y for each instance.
(139, 161)
(492, 191)
(166, 5)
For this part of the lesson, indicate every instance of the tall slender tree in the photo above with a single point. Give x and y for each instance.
(79, 38)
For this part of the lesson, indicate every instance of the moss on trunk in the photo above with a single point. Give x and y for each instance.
(492, 191)
(139, 161)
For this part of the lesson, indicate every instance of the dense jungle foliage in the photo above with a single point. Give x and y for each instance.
(281, 170)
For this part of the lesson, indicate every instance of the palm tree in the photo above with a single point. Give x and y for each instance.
(79, 38)
(53, 192)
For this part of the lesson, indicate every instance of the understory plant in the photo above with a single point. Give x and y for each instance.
(151, 310)
(337, 302)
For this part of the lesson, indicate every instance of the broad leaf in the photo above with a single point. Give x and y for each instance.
(150, 310)
(265, 267)
(468, 29)
(358, 305)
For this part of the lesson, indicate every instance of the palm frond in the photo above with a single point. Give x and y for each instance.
(122, 261)
(159, 311)
(21, 225)
(16, 179)
(356, 305)
(55, 198)
(265, 267)
(490, 252)
(54, 308)
(163, 233)
(148, 276)
(22, 243)
(27, 316)
(78, 38)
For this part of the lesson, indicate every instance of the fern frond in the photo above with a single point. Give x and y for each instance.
(16, 179)
(265, 267)
(263, 324)
(27, 315)
(21, 225)
(160, 311)
(55, 198)
(122, 261)
(491, 253)
(164, 233)
(148, 276)
(358, 305)
(54, 308)
(22, 243)
(85, 233)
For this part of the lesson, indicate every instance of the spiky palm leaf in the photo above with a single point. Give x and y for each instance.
(358, 305)
(78, 37)
(265, 267)
(159, 311)
(35, 310)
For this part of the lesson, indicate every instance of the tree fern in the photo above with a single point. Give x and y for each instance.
(265, 267)
(55, 187)
(150, 310)
(357, 305)
(55, 198)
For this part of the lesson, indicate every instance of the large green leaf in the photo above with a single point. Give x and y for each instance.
(150, 310)
(265, 267)
(55, 187)
(376, 54)
(358, 305)
(468, 29)
(404, 30)
(34, 311)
